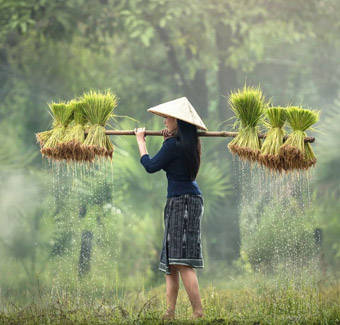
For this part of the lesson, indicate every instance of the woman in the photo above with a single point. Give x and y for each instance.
(180, 158)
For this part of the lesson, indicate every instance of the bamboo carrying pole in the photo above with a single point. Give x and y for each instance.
(200, 133)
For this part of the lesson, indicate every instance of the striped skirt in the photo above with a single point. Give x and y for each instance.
(182, 233)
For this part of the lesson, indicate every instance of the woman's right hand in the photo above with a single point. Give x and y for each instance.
(140, 134)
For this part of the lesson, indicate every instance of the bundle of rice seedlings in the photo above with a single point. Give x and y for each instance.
(296, 153)
(270, 150)
(98, 109)
(310, 158)
(62, 116)
(42, 137)
(71, 146)
(248, 105)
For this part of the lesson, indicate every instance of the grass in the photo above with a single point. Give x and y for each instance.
(262, 304)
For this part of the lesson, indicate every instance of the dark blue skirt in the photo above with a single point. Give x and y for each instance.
(182, 233)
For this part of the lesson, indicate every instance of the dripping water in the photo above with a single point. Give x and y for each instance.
(79, 192)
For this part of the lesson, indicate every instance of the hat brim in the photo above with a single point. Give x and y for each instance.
(182, 119)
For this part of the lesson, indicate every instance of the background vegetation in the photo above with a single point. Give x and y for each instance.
(105, 229)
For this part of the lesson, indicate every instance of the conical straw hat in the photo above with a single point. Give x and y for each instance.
(181, 109)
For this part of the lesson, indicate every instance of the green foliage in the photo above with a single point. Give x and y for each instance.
(57, 20)
(132, 181)
(17, 16)
(327, 189)
(277, 224)
(283, 239)
(12, 154)
(25, 237)
(150, 52)
(214, 182)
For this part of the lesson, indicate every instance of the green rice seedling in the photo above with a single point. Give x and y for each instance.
(297, 154)
(270, 150)
(62, 116)
(98, 109)
(71, 146)
(42, 137)
(248, 105)
(310, 158)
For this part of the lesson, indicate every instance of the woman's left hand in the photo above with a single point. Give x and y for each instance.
(140, 134)
(166, 134)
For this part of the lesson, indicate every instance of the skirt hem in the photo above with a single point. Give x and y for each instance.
(194, 263)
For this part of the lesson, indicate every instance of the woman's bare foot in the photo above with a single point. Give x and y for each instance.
(197, 314)
(169, 315)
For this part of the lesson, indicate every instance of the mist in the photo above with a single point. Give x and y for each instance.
(97, 230)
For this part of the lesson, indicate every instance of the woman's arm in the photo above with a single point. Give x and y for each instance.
(140, 136)
(162, 157)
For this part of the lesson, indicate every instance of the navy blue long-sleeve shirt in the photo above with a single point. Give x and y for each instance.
(172, 162)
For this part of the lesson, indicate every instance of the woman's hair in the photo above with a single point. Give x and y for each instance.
(190, 145)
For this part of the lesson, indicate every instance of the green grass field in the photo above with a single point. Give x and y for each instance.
(263, 303)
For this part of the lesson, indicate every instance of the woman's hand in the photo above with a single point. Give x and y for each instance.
(166, 134)
(140, 134)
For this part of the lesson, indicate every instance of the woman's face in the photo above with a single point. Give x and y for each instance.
(171, 123)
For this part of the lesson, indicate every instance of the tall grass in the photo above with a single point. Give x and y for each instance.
(264, 303)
